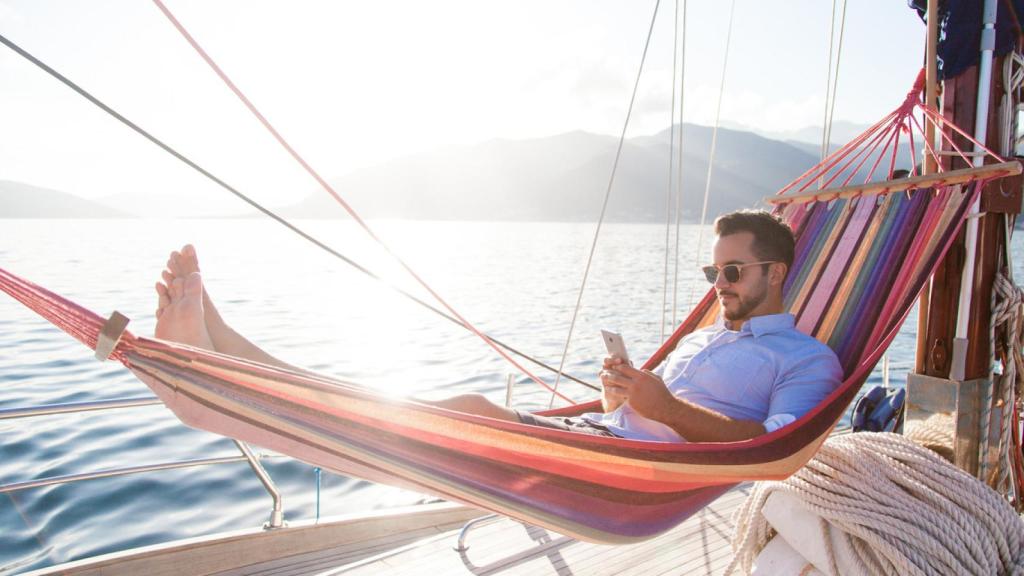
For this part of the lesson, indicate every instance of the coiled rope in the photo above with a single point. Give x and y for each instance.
(900, 509)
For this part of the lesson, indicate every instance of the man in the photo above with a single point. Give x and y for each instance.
(749, 374)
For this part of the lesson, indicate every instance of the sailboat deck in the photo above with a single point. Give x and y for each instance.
(698, 546)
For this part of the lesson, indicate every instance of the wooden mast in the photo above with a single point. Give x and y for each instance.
(928, 167)
(938, 323)
(954, 356)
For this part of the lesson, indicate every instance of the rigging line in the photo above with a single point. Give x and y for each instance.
(927, 150)
(835, 77)
(185, 160)
(714, 142)
(828, 82)
(679, 169)
(671, 158)
(608, 192)
(327, 187)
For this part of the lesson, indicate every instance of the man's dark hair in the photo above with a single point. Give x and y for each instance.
(773, 238)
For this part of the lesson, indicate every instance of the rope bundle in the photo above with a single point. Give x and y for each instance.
(901, 510)
(1007, 304)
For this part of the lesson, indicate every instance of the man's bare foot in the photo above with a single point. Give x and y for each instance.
(180, 315)
(183, 262)
(180, 264)
(186, 313)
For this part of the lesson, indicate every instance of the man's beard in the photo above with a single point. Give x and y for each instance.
(746, 305)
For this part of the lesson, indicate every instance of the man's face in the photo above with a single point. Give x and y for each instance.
(741, 299)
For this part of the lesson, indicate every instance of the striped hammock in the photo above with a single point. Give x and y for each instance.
(863, 254)
(861, 261)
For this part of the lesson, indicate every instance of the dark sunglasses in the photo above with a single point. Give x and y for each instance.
(730, 271)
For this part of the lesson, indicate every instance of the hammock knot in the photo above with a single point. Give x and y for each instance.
(915, 94)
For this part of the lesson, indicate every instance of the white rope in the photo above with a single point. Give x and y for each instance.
(1013, 79)
(896, 507)
(831, 82)
(679, 169)
(828, 80)
(671, 158)
(824, 121)
(934, 433)
(1008, 341)
(835, 79)
(714, 143)
(604, 205)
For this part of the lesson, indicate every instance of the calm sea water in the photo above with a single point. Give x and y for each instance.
(516, 281)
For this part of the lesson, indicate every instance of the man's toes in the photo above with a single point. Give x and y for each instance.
(193, 286)
(163, 296)
(174, 263)
(189, 261)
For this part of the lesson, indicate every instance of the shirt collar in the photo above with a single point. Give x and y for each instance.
(769, 323)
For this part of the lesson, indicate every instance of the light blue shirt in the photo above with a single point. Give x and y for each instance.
(767, 371)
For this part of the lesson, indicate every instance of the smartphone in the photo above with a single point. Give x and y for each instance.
(615, 345)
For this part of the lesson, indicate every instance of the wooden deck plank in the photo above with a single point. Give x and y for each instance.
(670, 549)
(701, 545)
(681, 540)
(254, 548)
(329, 557)
(582, 556)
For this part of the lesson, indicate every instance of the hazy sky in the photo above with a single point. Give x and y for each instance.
(356, 83)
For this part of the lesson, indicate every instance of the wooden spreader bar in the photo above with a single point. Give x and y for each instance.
(949, 178)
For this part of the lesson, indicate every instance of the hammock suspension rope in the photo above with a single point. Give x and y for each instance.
(879, 142)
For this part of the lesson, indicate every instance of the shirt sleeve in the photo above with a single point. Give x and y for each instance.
(777, 421)
(806, 383)
(659, 370)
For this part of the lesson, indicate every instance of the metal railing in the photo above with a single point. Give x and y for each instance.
(276, 513)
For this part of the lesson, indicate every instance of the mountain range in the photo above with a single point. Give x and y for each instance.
(19, 200)
(557, 178)
(565, 178)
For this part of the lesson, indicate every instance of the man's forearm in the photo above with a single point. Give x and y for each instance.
(699, 424)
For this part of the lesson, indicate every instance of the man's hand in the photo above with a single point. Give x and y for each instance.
(612, 396)
(645, 391)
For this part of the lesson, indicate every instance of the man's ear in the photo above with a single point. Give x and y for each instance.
(777, 272)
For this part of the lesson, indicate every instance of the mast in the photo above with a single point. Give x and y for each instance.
(954, 358)
(959, 368)
(928, 167)
(959, 305)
